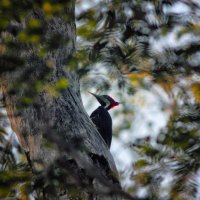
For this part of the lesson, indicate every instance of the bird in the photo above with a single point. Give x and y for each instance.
(101, 117)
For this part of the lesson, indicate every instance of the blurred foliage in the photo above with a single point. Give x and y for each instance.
(140, 45)
(15, 176)
(132, 45)
(22, 28)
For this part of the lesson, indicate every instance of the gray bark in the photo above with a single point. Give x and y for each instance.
(61, 119)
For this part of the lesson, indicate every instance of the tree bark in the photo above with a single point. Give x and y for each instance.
(62, 119)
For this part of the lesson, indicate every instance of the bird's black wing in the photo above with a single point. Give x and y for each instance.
(101, 118)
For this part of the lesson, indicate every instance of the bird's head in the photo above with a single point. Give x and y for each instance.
(106, 101)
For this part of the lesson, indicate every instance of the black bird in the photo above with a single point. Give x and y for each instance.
(102, 119)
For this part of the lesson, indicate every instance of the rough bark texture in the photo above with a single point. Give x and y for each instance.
(64, 117)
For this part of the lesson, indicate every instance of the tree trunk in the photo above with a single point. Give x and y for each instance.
(61, 119)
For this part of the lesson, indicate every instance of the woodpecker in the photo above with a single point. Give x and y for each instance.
(102, 119)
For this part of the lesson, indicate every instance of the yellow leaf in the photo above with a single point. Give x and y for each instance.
(34, 23)
(23, 196)
(136, 78)
(62, 83)
(167, 86)
(2, 49)
(195, 87)
(47, 7)
(166, 82)
(54, 90)
(50, 89)
(196, 27)
(142, 178)
(23, 36)
(6, 3)
(34, 38)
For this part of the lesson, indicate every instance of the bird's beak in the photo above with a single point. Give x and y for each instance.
(98, 97)
(95, 95)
